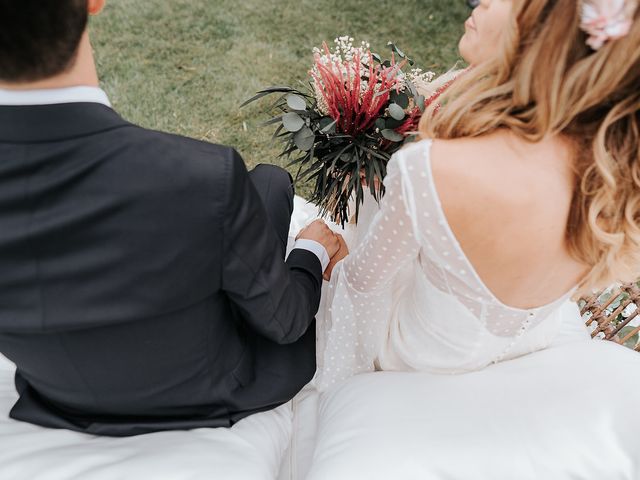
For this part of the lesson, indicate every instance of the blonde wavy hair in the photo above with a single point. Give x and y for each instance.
(544, 81)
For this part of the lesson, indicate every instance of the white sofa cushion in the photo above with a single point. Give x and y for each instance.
(251, 450)
(297, 460)
(569, 412)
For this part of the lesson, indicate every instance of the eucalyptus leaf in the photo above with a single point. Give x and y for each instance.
(328, 126)
(401, 99)
(392, 135)
(292, 122)
(304, 139)
(324, 121)
(380, 124)
(396, 111)
(397, 50)
(391, 123)
(296, 102)
(413, 91)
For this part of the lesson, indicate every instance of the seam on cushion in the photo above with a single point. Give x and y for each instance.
(293, 464)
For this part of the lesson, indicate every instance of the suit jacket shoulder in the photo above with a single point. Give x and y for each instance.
(147, 208)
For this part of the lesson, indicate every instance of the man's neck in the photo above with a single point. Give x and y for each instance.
(82, 73)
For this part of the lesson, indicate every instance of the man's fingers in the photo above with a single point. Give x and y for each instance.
(327, 273)
(340, 254)
(320, 232)
(336, 247)
(329, 270)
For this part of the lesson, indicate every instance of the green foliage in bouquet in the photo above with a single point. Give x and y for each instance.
(341, 128)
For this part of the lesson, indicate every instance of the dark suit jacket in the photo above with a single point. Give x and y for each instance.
(139, 288)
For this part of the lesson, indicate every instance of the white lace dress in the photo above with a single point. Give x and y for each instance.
(407, 297)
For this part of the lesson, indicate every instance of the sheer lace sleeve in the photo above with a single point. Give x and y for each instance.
(390, 242)
(358, 300)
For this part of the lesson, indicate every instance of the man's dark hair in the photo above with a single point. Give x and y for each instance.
(39, 38)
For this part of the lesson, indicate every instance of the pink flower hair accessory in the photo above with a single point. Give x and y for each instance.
(605, 20)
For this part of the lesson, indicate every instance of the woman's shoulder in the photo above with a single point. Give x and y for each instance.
(466, 174)
(507, 202)
(472, 166)
(499, 175)
(492, 181)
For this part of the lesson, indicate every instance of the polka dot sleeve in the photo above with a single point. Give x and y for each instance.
(390, 242)
(358, 300)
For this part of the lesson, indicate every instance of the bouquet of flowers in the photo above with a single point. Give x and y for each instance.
(342, 127)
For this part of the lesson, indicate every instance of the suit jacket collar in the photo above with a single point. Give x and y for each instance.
(47, 123)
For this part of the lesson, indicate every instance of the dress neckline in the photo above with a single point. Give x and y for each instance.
(427, 144)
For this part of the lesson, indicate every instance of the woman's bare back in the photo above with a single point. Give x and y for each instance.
(507, 202)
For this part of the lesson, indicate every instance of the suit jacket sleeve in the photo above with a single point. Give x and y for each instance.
(277, 299)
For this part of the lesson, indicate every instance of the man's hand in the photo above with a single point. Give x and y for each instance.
(321, 233)
(340, 255)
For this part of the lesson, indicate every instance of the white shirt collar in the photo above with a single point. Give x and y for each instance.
(53, 96)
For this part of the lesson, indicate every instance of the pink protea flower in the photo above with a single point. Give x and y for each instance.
(354, 91)
(605, 20)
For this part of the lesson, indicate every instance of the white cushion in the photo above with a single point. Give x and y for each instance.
(251, 450)
(297, 460)
(569, 412)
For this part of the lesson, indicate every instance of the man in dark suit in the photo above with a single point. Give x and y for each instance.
(143, 285)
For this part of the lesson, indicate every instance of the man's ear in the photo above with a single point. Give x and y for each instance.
(94, 7)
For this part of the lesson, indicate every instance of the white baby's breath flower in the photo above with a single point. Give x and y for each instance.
(417, 75)
(342, 60)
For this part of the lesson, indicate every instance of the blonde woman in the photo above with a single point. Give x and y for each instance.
(524, 192)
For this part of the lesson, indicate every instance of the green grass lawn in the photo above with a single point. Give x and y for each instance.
(185, 66)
